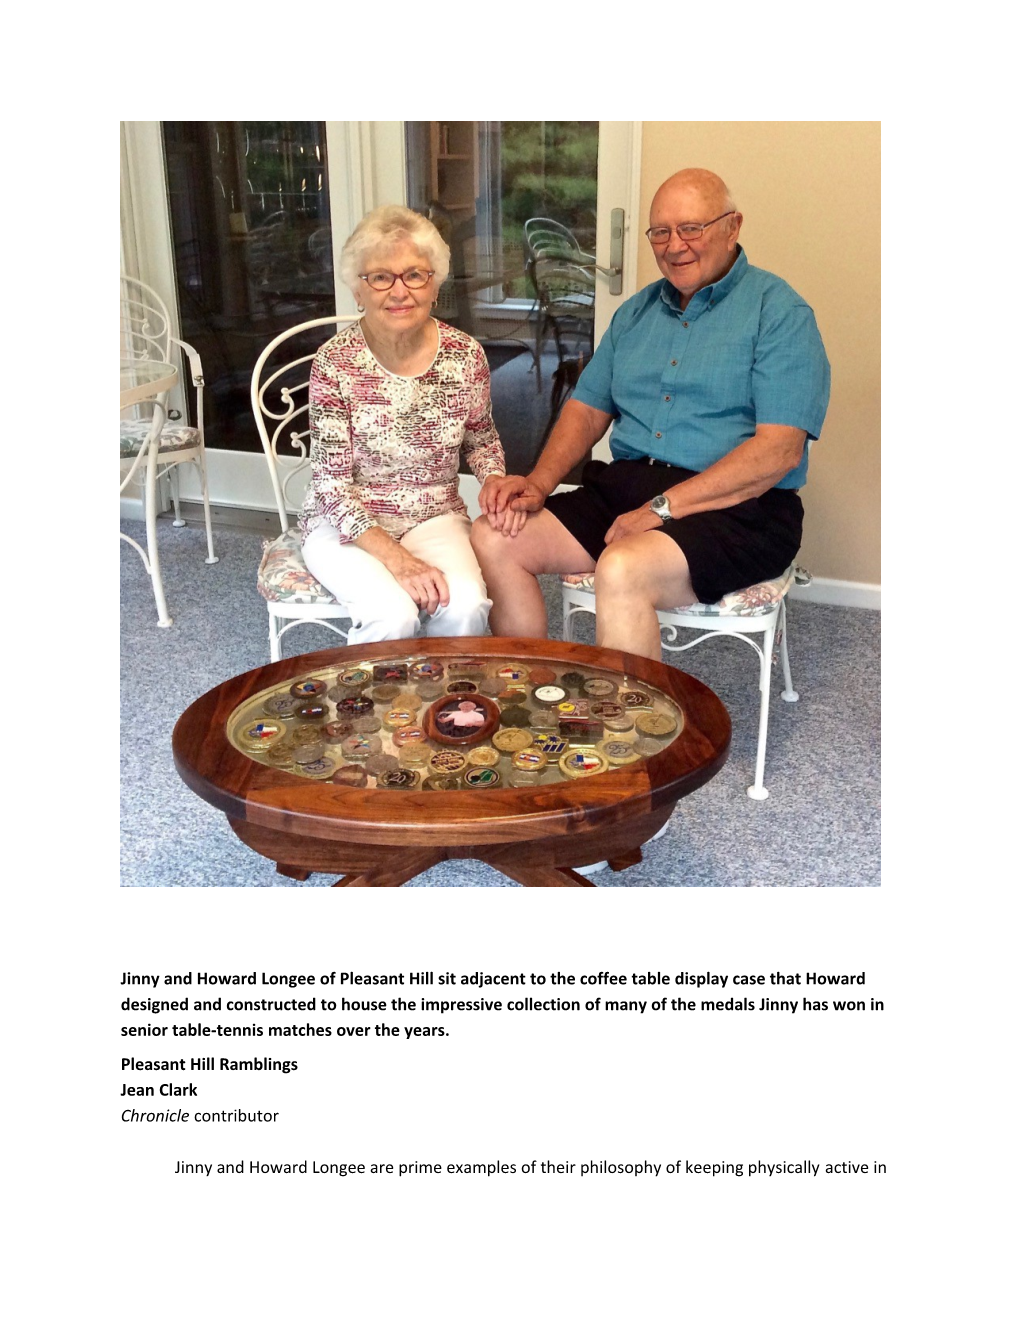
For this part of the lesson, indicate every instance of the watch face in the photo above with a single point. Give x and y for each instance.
(660, 505)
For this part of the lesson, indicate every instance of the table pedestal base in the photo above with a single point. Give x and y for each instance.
(388, 865)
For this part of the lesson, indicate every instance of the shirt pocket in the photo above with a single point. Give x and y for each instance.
(720, 372)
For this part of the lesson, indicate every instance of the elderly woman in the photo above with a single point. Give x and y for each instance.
(393, 400)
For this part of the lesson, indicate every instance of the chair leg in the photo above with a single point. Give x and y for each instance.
(570, 613)
(274, 638)
(212, 557)
(152, 543)
(788, 693)
(175, 494)
(758, 791)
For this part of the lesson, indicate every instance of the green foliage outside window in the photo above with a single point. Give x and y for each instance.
(548, 168)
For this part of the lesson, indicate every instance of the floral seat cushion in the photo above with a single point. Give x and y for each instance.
(759, 599)
(172, 437)
(283, 577)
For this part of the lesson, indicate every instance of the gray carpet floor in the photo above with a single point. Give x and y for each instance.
(819, 826)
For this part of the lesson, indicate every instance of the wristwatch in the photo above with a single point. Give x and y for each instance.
(660, 505)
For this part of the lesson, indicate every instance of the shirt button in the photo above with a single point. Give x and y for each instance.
(673, 363)
(667, 398)
(685, 325)
(658, 435)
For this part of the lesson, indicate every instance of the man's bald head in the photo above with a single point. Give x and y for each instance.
(703, 183)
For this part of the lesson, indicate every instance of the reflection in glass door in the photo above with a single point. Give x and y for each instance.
(253, 251)
(517, 202)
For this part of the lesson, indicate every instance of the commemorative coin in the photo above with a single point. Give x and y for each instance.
(380, 763)
(425, 670)
(307, 688)
(483, 755)
(447, 761)
(655, 723)
(260, 735)
(398, 779)
(513, 673)
(389, 673)
(630, 697)
(360, 746)
(322, 768)
(582, 762)
(304, 734)
(618, 751)
(307, 753)
(280, 704)
(355, 706)
(410, 733)
(512, 740)
(415, 755)
(553, 744)
(514, 717)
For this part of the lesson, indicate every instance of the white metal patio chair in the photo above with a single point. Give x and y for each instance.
(279, 400)
(153, 442)
(760, 609)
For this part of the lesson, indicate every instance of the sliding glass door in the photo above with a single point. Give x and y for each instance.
(244, 233)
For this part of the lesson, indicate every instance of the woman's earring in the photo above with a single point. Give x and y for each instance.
(359, 307)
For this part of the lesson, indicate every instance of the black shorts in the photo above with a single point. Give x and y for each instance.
(726, 549)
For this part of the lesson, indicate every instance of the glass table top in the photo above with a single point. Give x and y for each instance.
(458, 723)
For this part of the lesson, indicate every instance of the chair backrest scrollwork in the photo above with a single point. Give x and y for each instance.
(279, 402)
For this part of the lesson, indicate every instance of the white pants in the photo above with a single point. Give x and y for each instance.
(379, 606)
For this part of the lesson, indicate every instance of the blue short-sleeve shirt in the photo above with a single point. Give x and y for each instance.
(688, 386)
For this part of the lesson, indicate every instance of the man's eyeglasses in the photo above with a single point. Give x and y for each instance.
(689, 233)
(381, 280)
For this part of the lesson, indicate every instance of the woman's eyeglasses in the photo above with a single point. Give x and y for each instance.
(381, 280)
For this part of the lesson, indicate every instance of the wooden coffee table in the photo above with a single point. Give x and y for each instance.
(372, 836)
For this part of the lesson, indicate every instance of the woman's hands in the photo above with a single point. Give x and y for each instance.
(507, 501)
(426, 585)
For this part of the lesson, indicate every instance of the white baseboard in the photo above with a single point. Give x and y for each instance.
(834, 591)
(823, 591)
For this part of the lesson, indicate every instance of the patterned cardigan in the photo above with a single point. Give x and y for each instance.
(385, 449)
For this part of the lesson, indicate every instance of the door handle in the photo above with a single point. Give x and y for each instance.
(615, 268)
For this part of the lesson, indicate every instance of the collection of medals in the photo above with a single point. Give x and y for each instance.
(458, 724)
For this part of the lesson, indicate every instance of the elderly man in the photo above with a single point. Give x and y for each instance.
(713, 379)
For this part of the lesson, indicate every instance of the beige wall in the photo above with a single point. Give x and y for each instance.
(809, 194)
